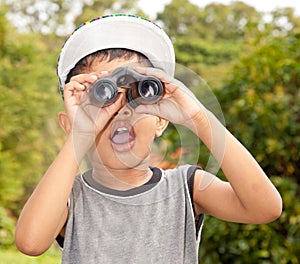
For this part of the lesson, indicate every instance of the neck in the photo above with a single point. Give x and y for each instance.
(121, 179)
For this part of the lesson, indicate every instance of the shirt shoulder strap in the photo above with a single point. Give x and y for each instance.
(190, 182)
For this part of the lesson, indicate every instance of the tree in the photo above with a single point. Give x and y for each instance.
(277, 242)
(209, 39)
(97, 8)
(61, 16)
(262, 102)
(28, 101)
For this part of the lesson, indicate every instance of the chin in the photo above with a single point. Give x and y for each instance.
(128, 160)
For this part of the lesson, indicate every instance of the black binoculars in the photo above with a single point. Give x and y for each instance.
(140, 89)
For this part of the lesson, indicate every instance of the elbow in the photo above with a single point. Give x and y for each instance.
(270, 217)
(276, 211)
(28, 250)
(272, 212)
(29, 246)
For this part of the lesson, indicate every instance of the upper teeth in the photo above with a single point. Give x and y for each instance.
(122, 129)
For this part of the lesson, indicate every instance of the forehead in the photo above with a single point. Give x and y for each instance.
(110, 65)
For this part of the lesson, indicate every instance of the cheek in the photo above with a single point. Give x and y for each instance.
(145, 129)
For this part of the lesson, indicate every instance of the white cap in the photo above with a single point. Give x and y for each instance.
(117, 31)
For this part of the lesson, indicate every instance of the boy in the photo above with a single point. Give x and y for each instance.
(122, 210)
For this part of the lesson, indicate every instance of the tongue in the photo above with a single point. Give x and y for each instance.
(121, 137)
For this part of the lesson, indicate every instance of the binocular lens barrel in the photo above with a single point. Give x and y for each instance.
(140, 90)
(150, 90)
(105, 92)
(147, 91)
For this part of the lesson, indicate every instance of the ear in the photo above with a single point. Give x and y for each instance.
(161, 125)
(64, 122)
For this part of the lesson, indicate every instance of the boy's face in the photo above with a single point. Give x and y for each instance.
(126, 140)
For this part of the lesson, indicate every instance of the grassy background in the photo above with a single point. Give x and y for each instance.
(13, 256)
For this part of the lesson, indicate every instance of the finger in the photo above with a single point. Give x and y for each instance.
(116, 105)
(101, 74)
(72, 92)
(170, 83)
(92, 77)
(101, 116)
(158, 73)
(107, 112)
(84, 78)
(73, 85)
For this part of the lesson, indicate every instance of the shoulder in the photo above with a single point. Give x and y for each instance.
(77, 185)
(185, 175)
(184, 171)
(77, 188)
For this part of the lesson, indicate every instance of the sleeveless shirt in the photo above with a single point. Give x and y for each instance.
(150, 224)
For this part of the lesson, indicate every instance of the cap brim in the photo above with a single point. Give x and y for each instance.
(122, 31)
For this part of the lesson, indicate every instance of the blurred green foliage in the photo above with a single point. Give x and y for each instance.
(7, 226)
(262, 101)
(12, 255)
(277, 242)
(28, 106)
(252, 65)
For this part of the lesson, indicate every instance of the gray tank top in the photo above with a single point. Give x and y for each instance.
(153, 223)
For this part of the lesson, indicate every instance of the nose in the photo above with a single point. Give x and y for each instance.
(126, 109)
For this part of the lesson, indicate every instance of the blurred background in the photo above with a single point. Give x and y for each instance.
(249, 58)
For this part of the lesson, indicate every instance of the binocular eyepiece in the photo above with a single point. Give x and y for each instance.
(140, 89)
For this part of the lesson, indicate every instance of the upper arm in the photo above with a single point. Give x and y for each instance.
(217, 198)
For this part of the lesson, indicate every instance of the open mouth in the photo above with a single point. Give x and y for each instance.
(122, 136)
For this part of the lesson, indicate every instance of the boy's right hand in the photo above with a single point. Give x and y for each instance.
(86, 119)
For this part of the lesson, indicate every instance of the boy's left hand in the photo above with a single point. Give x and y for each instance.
(178, 105)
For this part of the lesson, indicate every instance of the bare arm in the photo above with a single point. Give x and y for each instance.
(46, 212)
(249, 196)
